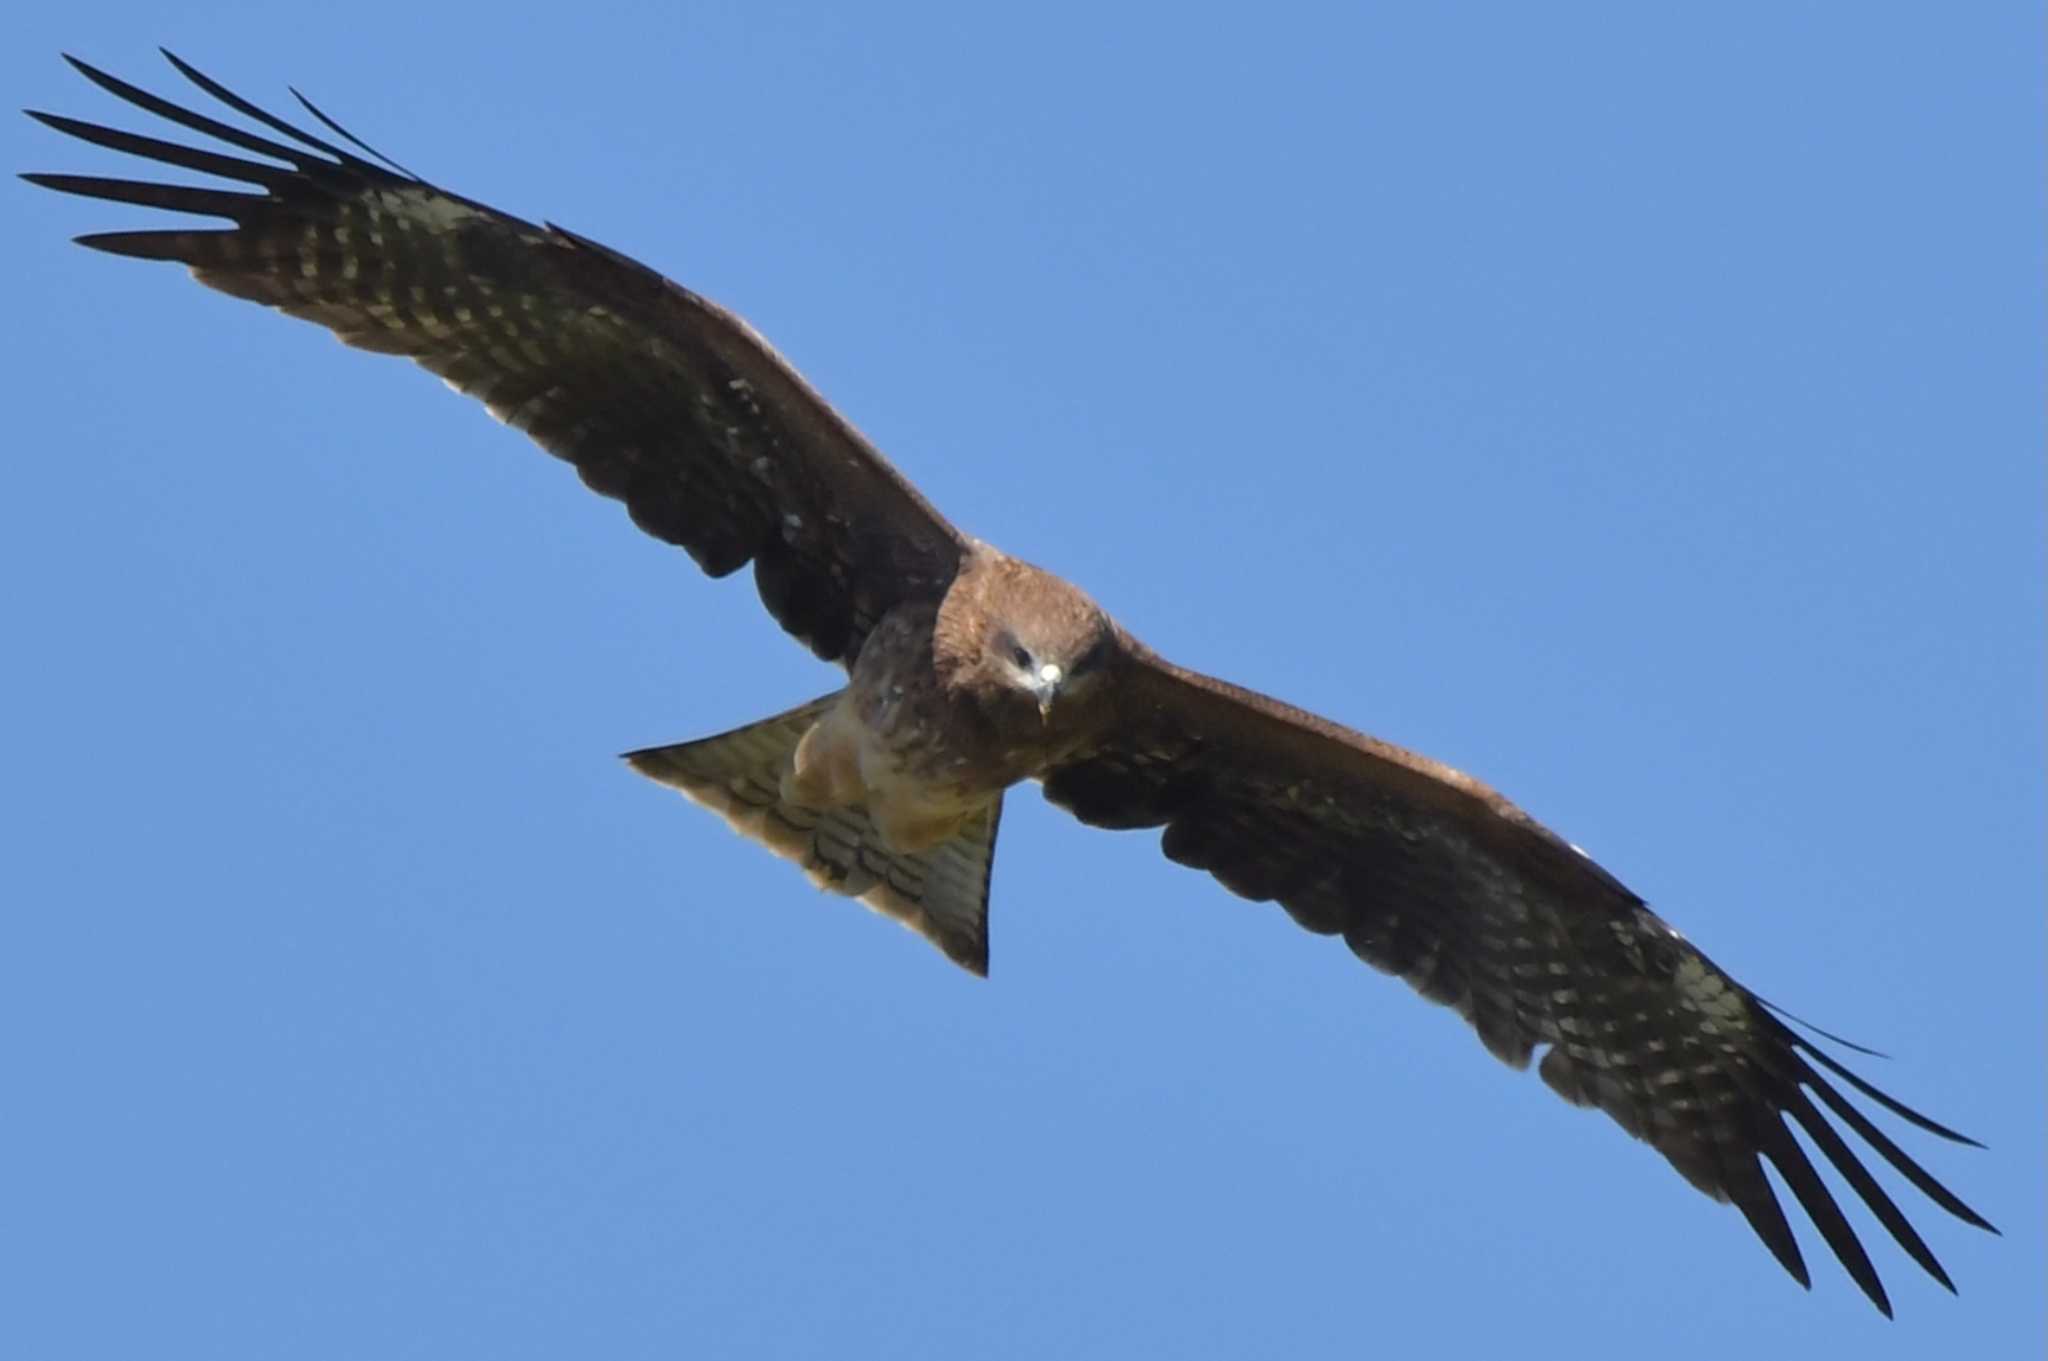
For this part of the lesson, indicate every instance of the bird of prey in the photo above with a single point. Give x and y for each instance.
(969, 671)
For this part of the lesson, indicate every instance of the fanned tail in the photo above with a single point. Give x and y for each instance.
(942, 893)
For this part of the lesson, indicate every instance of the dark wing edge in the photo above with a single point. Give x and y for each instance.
(658, 397)
(1432, 876)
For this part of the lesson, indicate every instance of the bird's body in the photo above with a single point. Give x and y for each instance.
(969, 672)
(1006, 677)
(949, 705)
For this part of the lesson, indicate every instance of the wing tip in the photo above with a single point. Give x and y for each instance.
(160, 245)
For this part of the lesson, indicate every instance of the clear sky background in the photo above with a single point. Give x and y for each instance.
(1638, 406)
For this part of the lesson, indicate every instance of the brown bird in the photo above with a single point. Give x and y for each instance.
(970, 672)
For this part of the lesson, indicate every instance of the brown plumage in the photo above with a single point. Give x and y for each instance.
(969, 672)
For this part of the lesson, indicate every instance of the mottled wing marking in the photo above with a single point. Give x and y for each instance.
(658, 397)
(942, 894)
(1431, 876)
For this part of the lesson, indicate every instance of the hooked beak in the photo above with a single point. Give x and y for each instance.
(1047, 688)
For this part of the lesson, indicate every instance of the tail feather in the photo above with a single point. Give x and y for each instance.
(942, 893)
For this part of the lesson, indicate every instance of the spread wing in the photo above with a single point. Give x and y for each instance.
(659, 398)
(1430, 875)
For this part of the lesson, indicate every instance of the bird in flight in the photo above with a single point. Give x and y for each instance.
(969, 671)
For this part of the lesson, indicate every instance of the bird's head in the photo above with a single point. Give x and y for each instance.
(1049, 665)
(1033, 637)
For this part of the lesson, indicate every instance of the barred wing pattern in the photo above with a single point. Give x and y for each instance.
(659, 398)
(1431, 876)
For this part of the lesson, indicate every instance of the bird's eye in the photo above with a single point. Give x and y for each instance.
(1020, 657)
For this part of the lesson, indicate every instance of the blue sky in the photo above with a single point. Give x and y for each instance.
(1638, 409)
